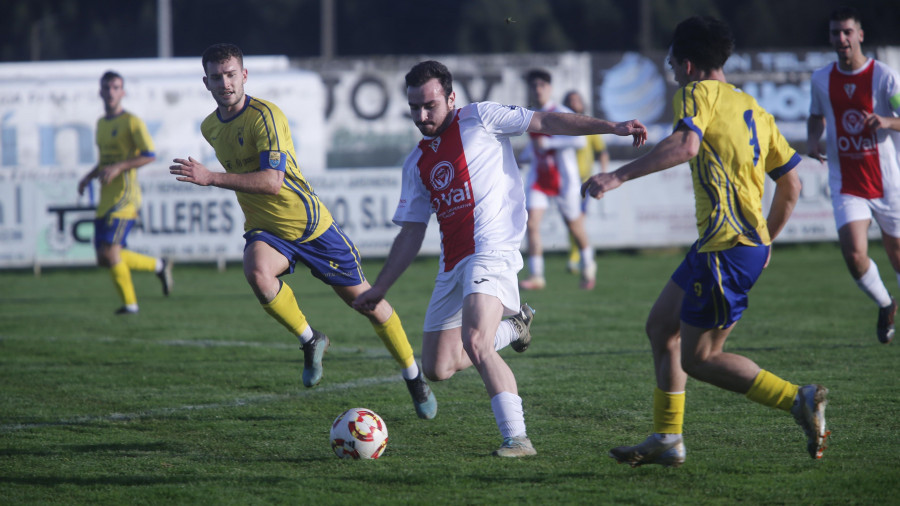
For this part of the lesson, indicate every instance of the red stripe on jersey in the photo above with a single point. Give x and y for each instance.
(445, 173)
(851, 100)
(548, 178)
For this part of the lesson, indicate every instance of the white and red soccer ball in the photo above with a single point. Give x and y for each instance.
(359, 433)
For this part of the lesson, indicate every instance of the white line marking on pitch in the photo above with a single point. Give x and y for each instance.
(162, 412)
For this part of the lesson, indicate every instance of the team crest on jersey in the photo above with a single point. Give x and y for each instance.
(241, 136)
(849, 89)
(441, 175)
(435, 144)
(274, 159)
(853, 121)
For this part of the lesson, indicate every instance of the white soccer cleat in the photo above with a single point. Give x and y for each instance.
(515, 447)
(651, 451)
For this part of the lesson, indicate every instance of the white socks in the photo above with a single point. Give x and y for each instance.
(870, 283)
(536, 266)
(509, 414)
(306, 335)
(506, 333)
(411, 372)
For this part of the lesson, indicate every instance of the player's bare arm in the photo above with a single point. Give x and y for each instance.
(557, 123)
(675, 149)
(875, 121)
(815, 127)
(86, 180)
(111, 171)
(403, 251)
(266, 181)
(787, 192)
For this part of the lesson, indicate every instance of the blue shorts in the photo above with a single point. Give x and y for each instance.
(111, 231)
(716, 284)
(331, 257)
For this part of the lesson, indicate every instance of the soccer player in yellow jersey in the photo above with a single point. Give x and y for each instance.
(124, 145)
(285, 221)
(732, 145)
(592, 152)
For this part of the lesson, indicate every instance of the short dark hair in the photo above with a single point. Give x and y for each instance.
(845, 13)
(425, 71)
(222, 52)
(704, 40)
(541, 74)
(109, 75)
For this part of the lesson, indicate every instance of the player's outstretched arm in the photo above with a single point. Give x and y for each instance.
(558, 123)
(403, 251)
(675, 149)
(266, 181)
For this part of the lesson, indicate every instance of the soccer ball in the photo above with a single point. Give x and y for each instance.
(359, 433)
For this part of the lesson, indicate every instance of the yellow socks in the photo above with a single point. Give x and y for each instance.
(285, 310)
(770, 390)
(121, 276)
(668, 412)
(137, 261)
(394, 338)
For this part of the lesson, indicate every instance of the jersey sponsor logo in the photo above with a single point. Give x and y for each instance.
(480, 281)
(852, 121)
(849, 89)
(274, 159)
(451, 198)
(441, 175)
(435, 144)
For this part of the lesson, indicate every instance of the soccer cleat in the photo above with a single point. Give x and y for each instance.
(522, 323)
(312, 358)
(651, 451)
(809, 412)
(515, 447)
(886, 322)
(165, 276)
(533, 283)
(126, 310)
(423, 397)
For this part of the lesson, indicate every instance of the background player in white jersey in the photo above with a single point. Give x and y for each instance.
(285, 222)
(858, 98)
(593, 151)
(464, 171)
(553, 177)
(124, 145)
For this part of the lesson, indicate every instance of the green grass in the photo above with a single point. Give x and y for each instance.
(198, 398)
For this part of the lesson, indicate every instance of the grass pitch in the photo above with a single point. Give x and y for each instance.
(198, 398)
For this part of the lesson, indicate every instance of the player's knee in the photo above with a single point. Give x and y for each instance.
(435, 373)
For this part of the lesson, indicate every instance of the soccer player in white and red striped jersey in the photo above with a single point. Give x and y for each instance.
(858, 98)
(464, 171)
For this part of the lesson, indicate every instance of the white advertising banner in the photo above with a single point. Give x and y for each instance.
(42, 223)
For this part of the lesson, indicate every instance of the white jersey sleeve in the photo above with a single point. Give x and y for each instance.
(415, 200)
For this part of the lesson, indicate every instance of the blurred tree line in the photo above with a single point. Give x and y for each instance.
(87, 29)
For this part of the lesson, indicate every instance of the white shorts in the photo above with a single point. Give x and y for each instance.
(489, 272)
(849, 208)
(568, 201)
